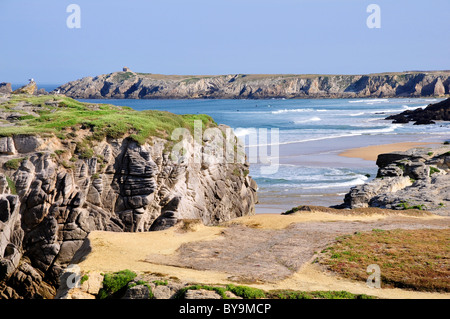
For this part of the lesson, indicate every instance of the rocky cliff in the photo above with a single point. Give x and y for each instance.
(415, 179)
(131, 85)
(58, 185)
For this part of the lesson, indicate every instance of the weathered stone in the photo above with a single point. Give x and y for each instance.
(407, 180)
(30, 88)
(137, 292)
(27, 143)
(7, 146)
(202, 294)
(132, 188)
(166, 220)
(5, 88)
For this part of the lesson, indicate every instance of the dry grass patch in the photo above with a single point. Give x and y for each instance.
(413, 259)
(367, 211)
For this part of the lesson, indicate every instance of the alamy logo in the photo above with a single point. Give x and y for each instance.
(214, 146)
(74, 19)
(374, 280)
(73, 279)
(374, 19)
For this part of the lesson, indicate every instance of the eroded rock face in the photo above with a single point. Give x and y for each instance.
(123, 187)
(418, 178)
(123, 85)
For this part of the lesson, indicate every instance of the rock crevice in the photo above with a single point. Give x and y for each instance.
(124, 186)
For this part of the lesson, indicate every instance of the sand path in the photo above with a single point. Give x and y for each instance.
(264, 251)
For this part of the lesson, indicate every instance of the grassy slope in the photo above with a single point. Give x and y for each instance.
(404, 261)
(103, 119)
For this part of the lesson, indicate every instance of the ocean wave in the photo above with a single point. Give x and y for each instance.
(357, 114)
(291, 111)
(369, 101)
(357, 181)
(312, 119)
(389, 129)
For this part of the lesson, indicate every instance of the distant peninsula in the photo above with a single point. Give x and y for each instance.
(127, 84)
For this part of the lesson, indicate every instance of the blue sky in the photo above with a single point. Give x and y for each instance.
(219, 37)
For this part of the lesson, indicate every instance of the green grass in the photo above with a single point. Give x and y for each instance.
(11, 185)
(14, 163)
(160, 282)
(103, 120)
(405, 205)
(114, 284)
(246, 292)
(433, 170)
(182, 292)
(122, 76)
(144, 283)
(290, 294)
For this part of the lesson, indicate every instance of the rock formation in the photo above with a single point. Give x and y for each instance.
(51, 197)
(30, 88)
(418, 178)
(433, 112)
(5, 88)
(123, 85)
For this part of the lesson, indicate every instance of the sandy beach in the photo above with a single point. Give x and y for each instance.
(370, 153)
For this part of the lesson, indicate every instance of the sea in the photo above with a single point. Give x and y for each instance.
(310, 135)
(305, 166)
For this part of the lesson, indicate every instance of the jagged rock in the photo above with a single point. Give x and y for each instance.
(132, 85)
(30, 88)
(4, 186)
(411, 179)
(27, 143)
(166, 220)
(202, 294)
(433, 112)
(5, 88)
(163, 292)
(7, 146)
(137, 292)
(439, 88)
(126, 187)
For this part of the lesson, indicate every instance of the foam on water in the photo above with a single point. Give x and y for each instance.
(299, 122)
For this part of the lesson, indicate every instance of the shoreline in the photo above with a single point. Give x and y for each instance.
(370, 153)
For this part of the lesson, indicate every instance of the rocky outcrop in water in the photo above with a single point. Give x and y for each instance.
(51, 198)
(416, 179)
(433, 112)
(131, 85)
